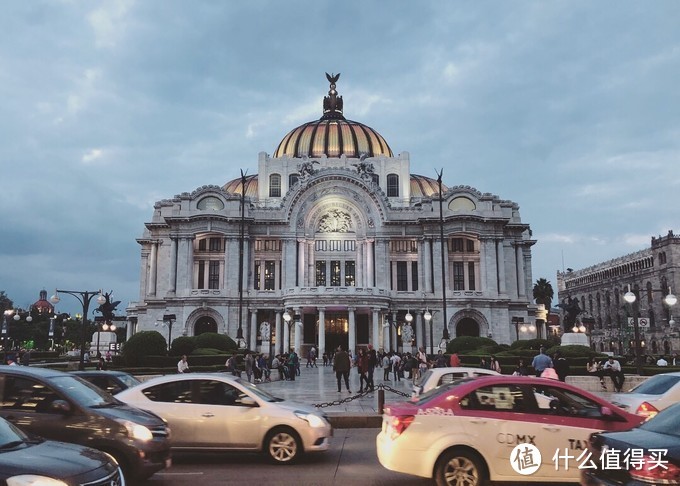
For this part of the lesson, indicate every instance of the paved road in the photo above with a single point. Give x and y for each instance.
(351, 460)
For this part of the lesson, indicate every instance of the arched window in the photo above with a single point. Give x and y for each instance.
(275, 185)
(392, 185)
(292, 179)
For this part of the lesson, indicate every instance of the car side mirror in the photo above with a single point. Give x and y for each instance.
(60, 406)
(247, 401)
(606, 412)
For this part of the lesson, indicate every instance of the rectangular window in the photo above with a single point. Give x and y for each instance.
(201, 274)
(214, 275)
(471, 275)
(350, 270)
(402, 276)
(201, 245)
(392, 185)
(457, 245)
(458, 276)
(414, 276)
(470, 246)
(321, 273)
(269, 275)
(215, 244)
(335, 273)
(258, 274)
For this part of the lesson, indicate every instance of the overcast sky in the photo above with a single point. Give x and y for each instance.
(571, 109)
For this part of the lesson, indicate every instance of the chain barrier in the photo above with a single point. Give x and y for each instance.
(359, 395)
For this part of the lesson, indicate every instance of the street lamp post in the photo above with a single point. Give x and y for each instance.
(84, 297)
(286, 340)
(428, 319)
(445, 330)
(670, 300)
(167, 321)
(241, 242)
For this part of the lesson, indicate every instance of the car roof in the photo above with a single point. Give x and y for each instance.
(31, 371)
(99, 372)
(183, 376)
(454, 369)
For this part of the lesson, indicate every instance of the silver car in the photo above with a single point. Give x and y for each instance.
(435, 377)
(651, 396)
(214, 411)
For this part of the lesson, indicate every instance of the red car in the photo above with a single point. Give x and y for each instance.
(469, 432)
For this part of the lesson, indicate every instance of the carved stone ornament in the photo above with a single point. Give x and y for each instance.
(406, 333)
(335, 221)
(265, 331)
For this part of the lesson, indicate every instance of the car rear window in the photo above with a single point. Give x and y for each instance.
(435, 392)
(656, 385)
(665, 422)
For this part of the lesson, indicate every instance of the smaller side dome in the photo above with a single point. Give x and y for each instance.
(236, 187)
(422, 186)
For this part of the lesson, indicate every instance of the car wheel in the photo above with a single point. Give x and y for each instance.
(460, 467)
(283, 446)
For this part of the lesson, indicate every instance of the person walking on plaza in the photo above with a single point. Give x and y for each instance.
(311, 358)
(421, 357)
(396, 366)
(541, 362)
(372, 363)
(249, 364)
(612, 368)
(341, 366)
(387, 366)
(293, 364)
(325, 359)
(183, 365)
(362, 367)
(561, 366)
(454, 361)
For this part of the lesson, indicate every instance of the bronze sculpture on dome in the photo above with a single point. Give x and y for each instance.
(332, 104)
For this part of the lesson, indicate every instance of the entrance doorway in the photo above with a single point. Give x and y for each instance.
(205, 324)
(467, 327)
(337, 331)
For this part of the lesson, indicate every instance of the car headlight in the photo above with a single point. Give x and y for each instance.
(136, 431)
(312, 419)
(33, 480)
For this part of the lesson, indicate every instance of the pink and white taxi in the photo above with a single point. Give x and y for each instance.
(468, 432)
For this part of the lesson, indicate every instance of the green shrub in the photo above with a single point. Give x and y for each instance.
(143, 344)
(206, 352)
(215, 341)
(532, 344)
(182, 345)
(574, 351)
(467, 344)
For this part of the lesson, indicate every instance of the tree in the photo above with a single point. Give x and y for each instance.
(543, 294)
(5, 303)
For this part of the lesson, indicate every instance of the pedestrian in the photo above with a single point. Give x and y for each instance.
(341, 366)
(386, 366)
(561, 366)
(541, 362)
(494, 365)
(325, 359)
(520, 369)
(311, 358)
(483, 364)
(421, 357)
(362, 368)
(263, 365)
(249, 365)
(183, 365)
(108, 356)
(593, 369)
(372, 363)
(10, 360)
(612, 368)
(101, 364)
(26, 357)
(441, 360)
(396, 366)
(292, 365)
(454, 361)
(276, 365)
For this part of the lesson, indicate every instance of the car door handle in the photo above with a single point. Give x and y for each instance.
(208, 415)
(551, 429)
(477, 421)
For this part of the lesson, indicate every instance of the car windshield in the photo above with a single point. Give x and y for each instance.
(435, 392)
(82, 392)
(9, 434)
(665, 422)
(257, 391)
(656, 385)
(129, 380)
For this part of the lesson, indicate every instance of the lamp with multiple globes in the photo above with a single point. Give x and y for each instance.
(428, 319)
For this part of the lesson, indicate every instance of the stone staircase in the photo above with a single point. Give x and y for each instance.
(592, 383)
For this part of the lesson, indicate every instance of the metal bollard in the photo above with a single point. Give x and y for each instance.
(381, 400)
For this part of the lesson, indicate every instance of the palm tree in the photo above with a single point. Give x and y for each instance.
(543, 294)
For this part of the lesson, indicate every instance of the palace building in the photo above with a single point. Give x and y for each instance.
(334, 242)
(652, 275)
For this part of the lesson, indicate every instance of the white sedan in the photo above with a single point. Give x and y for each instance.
(651, 396)
(435, 377)
(218, 412)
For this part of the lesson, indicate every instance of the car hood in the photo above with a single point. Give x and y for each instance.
(52, 459)
(643, 439)
(134, 414)
(294, 406)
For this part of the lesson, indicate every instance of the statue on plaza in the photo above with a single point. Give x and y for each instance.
(571, 312)
(108, 308)
(406, 334)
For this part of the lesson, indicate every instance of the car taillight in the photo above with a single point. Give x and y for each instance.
(399, 424)
(646, 410)
(653, 472)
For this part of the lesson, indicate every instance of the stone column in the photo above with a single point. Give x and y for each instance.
(288, 264)
(370, 262)
(361, 266)
(482, 267)
(352, 331)
(500, 256)
(418, 330)
(190, 262)
(153, 261)
(253, 329)
(298, 332)
(310, 281)
(277, 349)
(286, 337)
(386, 333)
(519, 264)
(375, 338)
(301, 263)
(322, 331)
(172, 278)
